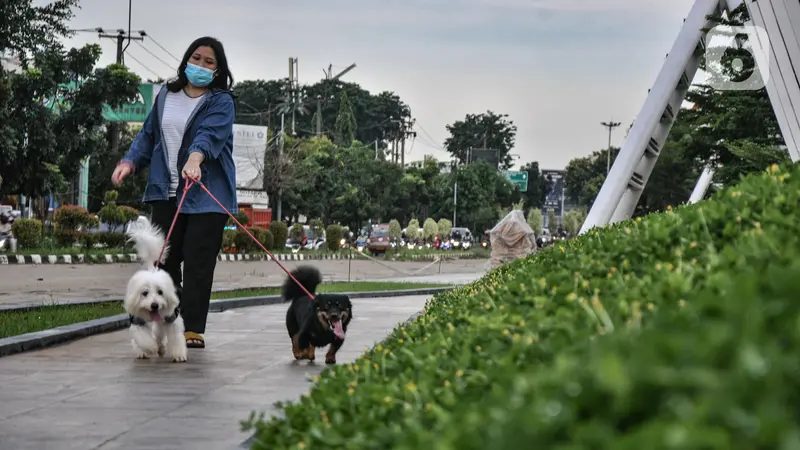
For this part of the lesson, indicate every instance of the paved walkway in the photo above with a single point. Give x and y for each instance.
(47, 284)
(92, 394)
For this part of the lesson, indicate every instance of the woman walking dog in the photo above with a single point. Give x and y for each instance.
(189, 135)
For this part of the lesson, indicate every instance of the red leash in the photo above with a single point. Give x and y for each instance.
(189, 183)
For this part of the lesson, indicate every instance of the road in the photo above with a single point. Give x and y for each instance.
(47, 284)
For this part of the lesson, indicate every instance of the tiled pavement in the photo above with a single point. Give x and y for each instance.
(92, 393)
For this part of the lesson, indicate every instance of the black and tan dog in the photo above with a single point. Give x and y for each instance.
(316, 322)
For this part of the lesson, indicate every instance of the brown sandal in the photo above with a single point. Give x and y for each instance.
(194, 340)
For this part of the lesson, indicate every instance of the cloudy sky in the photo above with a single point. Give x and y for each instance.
(557, 67)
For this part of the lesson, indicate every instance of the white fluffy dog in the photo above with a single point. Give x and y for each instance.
(151, 299)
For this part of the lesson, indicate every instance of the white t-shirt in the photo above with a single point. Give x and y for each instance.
(178, 107)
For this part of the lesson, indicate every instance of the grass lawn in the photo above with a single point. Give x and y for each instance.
(51, 316)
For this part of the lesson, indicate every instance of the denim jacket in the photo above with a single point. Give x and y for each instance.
(209, 130)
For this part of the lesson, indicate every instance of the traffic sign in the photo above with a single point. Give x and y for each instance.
(518, 178)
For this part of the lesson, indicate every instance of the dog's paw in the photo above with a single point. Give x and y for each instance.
(161, 351)
(142, 355)
(330, 360)
(179, 359)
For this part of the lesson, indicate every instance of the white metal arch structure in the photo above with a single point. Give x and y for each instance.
(622, 189)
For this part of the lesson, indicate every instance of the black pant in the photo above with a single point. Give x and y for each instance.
(195, 241)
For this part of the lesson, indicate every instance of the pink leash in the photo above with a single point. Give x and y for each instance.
(189, 183)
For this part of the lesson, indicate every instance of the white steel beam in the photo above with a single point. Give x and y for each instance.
(651, 127)
(703, 183)
(781, 20)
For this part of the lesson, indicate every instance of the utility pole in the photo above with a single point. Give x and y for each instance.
(280, 168)
(455, 190)
(120, 37)
(294, 88)
(610, 125)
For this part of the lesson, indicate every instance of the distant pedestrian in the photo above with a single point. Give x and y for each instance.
(189, 135)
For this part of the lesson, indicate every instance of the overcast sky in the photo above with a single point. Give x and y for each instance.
(557, 67)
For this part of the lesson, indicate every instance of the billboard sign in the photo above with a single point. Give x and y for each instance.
(249, 147)
(135, 111)
(555, 192)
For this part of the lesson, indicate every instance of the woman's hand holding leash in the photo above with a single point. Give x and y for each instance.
(191, 171)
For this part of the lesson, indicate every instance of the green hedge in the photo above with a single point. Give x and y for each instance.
(677, 331)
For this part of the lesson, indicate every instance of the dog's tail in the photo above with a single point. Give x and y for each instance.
(308, 276)
(148, 240)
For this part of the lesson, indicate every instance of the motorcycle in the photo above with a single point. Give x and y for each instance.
(8, 241)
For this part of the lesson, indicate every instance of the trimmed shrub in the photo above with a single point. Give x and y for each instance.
(444, 227)
(297, 232)
(89, 240)
(678, 330)
(113, 239)
(333, 237)
(243, 242)
(395, 230)
(28, 232)
(65, 237)
(412, 230)
(242, 217)
(71, 217)
(429, 229)
(316, 226)
(265, 237)
(228, 239)
(129, 213)
(280, 232)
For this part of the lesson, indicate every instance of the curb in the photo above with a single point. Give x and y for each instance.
(53, 336)
(248, 443)
(229, 257)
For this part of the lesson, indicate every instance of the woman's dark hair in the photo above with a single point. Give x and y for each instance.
(223, 80)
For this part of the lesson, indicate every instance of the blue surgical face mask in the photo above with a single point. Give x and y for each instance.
(198, 76)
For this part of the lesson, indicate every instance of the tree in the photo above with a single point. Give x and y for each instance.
(538, 186)
(102, 165)
(345, 131)
(535, 220)
(377, 117)
(573, 220)
(26, 28)
(444, 227)
(584, 177)
(53, 117)
(486, 130)
(483, 195)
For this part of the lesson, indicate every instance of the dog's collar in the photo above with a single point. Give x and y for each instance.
(138, 321)
(173, 317)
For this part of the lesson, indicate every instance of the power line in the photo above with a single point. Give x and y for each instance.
(145, 66)
(163, 49)
(155, 56)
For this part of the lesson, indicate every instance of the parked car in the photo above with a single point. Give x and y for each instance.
(378, 241)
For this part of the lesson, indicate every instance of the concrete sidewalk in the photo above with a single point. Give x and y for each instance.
(93, 394)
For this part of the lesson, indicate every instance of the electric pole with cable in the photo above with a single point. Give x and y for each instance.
(610, 125)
